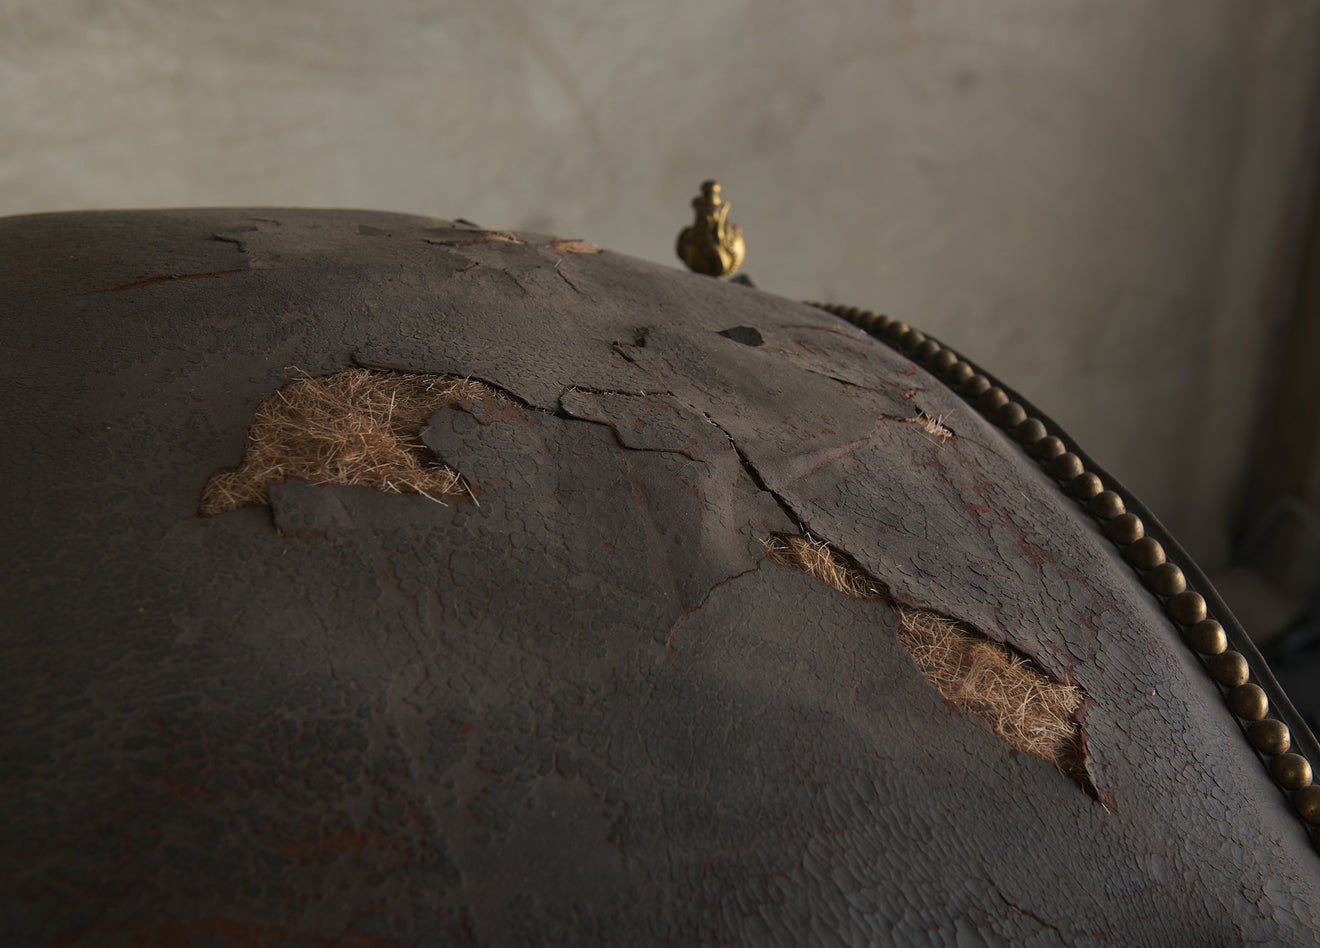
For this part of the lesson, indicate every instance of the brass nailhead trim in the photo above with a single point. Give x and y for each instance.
(1166, 580)
(1105, 505)
(1291, 771)
(1307, 803)
(1270, 736)
(1065, 467)
(1030, 432)
(1146, 553)
(943, 361)
(1187, 608)
(1207, 637)
(1249, 702)
(1010, 415)
(976, 386)
(958, 373)
(1230, 669)
(1085, 486)
(1125, 529)
(992, 399)
(1047, 448)
(926, 350)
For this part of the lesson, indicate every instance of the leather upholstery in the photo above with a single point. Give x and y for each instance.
(585, 707)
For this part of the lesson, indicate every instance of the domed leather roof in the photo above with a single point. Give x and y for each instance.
(578, 699)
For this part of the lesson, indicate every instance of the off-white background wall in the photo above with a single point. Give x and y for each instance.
(1098, 201)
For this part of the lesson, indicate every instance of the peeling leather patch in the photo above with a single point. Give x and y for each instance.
(747, 335)
(645, 422)
(1026, 709)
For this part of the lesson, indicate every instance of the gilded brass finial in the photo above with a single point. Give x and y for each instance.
(712, 245)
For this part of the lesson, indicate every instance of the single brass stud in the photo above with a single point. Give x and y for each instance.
(926, 351)
(1291, 771)
(1030, 432)
(1187, 608)
(1166, 580)
(909, 341)
(866, 319)
(1085, 486)
(976, 386)
(1066, 467)
(959, 373)
(1248, 702)
(1105, 505)
(1208, 638)
(1145, 553)
(1230, 669)
(880, 324)
(896, 331)
(942, 361)
(1010, 415)
(992, 399)
(913, 338)
(1306, 802)
(1048, 448)
(1124, 529)
(1270, 736)
(712, 245)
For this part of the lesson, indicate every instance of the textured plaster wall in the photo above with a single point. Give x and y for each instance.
(1097, 201)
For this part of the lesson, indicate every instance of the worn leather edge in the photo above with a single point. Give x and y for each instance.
(1303, 740)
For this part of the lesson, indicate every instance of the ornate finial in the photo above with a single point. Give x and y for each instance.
(711, 245)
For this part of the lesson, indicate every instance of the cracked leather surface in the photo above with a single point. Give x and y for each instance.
(580, 707)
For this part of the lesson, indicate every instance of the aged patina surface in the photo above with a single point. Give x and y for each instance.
(581, 706)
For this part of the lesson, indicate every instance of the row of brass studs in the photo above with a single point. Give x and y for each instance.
(1186, 607)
